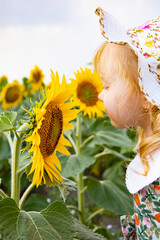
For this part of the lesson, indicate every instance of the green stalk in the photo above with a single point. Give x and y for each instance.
(80, 184)
(74, 208)
(25, 194)
(23, 169)
(3, 194)
(15, 177)
(95, 214)
(87, 140)
(110, 151)
(8, 138)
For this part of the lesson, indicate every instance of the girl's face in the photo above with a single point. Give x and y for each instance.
(124, 111)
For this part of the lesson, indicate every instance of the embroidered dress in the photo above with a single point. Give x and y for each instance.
(145, 222)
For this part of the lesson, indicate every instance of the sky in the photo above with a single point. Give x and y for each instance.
(61, 35)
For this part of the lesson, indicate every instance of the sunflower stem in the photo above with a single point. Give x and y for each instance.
(25, 194)
(22, 170)
(84, 189)
(3, 194)
(74, 208)
(87, 140)
(109, 151)
(72, 142)
(94, 214)
(16, 134)
(15, 177)
(80, 183)
(8, 136)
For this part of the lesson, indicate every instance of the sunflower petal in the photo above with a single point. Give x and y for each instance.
(60, 148)
(65, 141)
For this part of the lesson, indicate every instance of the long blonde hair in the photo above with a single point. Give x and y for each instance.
(124, 61)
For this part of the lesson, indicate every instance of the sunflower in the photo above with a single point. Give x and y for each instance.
(50, 117)
(36, 79)
(87, 87)
(11, 94)
(4, 78)
(3, 82)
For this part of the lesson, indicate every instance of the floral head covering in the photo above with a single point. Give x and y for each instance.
(145, 41)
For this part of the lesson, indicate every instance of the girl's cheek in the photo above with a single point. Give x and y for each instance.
(106, 104)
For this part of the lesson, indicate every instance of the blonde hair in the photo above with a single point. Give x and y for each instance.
(122, 60)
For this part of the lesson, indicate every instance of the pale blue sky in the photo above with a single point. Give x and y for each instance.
(59, 34)
(34, 12)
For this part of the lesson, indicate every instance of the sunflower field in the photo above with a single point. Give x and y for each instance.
(62, 164)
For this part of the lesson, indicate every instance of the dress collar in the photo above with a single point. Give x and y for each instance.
(134, 180)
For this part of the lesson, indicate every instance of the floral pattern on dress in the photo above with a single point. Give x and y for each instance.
(144, 224)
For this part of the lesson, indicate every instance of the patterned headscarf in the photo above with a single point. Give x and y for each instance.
(145, 41)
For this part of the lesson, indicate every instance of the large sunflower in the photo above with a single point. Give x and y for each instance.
(11, 94)
(51, 116)
(36, 79)
(87, 87)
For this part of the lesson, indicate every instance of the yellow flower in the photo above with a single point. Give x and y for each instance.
(150, 43)
(36, 78)
(51, 116)
(11, 95)
(4, 78)
(88, 86)
(3, 82)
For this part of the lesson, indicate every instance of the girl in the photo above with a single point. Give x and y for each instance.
(129, 66)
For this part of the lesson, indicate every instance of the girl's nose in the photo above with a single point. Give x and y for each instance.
(101, 96)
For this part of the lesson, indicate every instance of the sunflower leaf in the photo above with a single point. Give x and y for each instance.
(67, 184)
(7, 120)
(103, 192)
(11, 115)
(77, 164)
(84, 233)
(53, 223)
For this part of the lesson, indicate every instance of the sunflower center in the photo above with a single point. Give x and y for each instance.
(36, 76)
(12, 94)
(87, 93)
(50, 130)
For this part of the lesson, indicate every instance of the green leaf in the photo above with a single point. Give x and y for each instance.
(110, 195)
(6, 121)
(8, 216)
(106, 134)
(113, 138)
(77, 164)
(35, 202)
(11, 115)
(115, 170)
(53, 223)
(4, 148)
(84, 233)
(58, 215)
(103, 231)
(67, 184)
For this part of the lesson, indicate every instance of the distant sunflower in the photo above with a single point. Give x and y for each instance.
(3, 82)
(11, 94)
(51, 116)
(36, 79)
(4, 78)
(88, 86)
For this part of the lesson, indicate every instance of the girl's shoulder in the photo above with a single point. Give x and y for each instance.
(135, 180)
